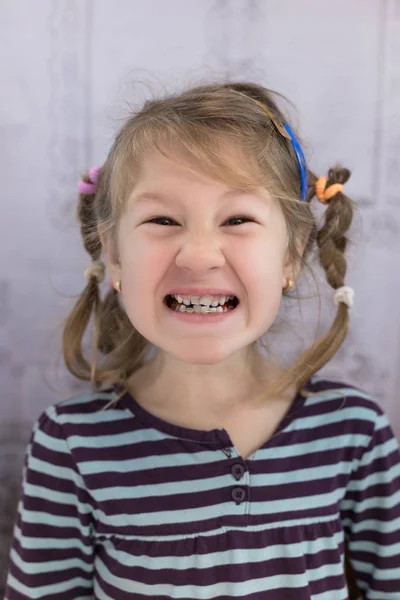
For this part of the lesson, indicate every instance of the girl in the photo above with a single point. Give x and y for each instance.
(204, 469)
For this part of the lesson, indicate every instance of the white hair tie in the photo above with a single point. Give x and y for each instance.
(96, 269)
(345, 295)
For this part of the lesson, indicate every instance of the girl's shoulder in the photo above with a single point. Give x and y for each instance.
(345, 413)
(326, 390)
(349, 403)
(90, 402)
(97, 412)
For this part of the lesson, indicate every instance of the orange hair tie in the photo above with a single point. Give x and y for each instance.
(324, 194)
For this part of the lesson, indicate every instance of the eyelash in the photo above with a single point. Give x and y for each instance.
(241, 218)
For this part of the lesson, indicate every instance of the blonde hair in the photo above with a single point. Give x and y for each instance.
(209, 123)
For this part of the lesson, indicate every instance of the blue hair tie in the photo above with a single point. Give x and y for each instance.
(286, 131)
(301, 159)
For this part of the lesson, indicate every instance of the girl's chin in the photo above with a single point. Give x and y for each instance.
(202, 353)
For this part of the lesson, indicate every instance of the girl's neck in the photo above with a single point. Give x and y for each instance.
(166, 383)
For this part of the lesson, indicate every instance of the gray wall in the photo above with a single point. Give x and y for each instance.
(70, 70)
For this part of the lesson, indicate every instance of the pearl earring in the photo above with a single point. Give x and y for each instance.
(288, 286)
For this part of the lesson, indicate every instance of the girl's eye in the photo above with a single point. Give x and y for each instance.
(163, 221)
(239, 220)
(168, 222)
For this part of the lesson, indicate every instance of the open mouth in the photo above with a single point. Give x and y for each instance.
(201, 305)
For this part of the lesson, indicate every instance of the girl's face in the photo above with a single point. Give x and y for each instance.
(185, 235)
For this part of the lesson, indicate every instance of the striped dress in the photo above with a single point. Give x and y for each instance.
(119, 504)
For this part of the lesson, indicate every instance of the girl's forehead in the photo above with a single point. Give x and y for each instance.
(159, 169)
(159, 173)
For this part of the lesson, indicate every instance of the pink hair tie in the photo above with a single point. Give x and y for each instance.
(90, 187)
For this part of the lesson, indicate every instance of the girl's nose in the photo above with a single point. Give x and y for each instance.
(200, 253)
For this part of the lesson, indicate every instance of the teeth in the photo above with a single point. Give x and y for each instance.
(209, 301)
(198, 308)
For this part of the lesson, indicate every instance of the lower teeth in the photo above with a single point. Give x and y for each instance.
(200, 309)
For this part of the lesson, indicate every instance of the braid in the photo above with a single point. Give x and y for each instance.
(113, 331)
(114, 323)
(331, 239)
(87, 218)
(332, 242)
(89, 300)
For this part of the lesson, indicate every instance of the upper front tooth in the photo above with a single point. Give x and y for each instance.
(206, 300)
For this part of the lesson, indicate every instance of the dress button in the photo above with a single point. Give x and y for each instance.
(238, 495)
(237, 471)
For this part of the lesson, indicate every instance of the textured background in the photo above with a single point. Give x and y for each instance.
(70, 71)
